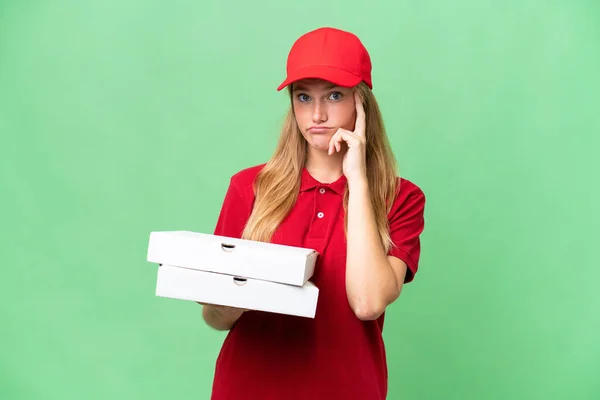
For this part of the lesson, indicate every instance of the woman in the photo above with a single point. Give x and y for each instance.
(331, 185)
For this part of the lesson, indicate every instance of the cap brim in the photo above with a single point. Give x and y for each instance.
(334, 75)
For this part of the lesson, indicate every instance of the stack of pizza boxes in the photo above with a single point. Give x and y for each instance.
(234, 272)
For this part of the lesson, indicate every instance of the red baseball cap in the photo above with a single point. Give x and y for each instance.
(330, 54)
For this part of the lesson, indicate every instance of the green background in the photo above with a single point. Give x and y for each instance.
(122, 117)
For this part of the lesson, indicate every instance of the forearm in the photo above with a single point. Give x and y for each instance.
(220, 318)
(370, 280)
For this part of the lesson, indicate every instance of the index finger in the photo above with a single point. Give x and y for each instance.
(360, 124)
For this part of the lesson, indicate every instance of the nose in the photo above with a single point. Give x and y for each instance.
(319, 114)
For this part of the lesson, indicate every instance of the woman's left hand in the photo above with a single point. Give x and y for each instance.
(354, 165)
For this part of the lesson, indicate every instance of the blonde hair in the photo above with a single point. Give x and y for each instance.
(277, 185)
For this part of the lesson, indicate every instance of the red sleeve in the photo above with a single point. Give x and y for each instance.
(406, 225)
(235, 210)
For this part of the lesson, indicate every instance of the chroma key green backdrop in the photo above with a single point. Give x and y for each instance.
(118, 118)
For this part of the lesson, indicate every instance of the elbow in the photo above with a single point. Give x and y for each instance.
(370, 305)
(371, 308)
(368, 311)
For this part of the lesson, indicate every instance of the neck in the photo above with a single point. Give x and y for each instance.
(324, 167)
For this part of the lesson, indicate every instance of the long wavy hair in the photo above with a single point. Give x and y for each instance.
(277, 185)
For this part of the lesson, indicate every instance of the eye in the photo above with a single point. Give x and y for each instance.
(335, 96)
(303, 97)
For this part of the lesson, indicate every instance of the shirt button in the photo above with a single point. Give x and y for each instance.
(320, 215)
(322, 190)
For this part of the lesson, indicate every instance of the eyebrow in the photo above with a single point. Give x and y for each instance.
(303, 88)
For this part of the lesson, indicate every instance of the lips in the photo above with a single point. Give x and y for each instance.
(319, 129)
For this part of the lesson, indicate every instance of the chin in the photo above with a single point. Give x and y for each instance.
(320, 143)
(319, 148)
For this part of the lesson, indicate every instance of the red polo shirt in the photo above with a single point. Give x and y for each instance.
(335, 355)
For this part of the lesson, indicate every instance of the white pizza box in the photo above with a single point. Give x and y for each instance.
(226, 290)
(232, 256)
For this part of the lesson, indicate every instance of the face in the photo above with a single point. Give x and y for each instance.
(321, 108)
